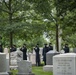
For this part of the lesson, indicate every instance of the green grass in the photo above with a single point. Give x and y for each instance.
(39, 71)
(14, 72)
(36, 71)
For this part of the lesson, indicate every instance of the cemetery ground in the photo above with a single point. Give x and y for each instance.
(36, 71)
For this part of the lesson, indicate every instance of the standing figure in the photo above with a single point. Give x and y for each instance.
(37, 55)
(50, 47)
(24, 50)
(1, 49)
(66, 48)
(45, 50)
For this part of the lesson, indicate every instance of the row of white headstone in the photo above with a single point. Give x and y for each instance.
(24, 66)
(64, 64)
(17, 56)
(60, 64)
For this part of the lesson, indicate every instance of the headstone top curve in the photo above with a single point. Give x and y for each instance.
(66, 55)
(2, 53)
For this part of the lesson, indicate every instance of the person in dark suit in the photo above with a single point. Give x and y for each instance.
(24, 50)
(50, 47)
(45, 50)
(13, 48)
(66, 48)
(37, 55)
(1, 49)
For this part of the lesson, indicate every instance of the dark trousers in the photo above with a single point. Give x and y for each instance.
(24, 56)
(37, 60)
(44, 59)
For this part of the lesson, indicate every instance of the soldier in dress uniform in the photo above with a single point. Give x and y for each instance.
(37, 55)
(24, 50)
(45, 50)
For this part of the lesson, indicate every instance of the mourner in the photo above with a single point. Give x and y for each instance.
(37, 55)
(45, 50)
(66, 48)
(24, 50)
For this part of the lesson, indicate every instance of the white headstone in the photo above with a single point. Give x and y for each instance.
(19, 55)
(6, 50)
(33, 51)
(49, 57)
(64, 64)
(7, 66)
(48, 68)
(3, 64)
(32, 58)
(24, 66)
(41, 50)
(13, 60)
(13, 56)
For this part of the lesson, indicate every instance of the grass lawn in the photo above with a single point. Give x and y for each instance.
(39, 71)
(36, 71)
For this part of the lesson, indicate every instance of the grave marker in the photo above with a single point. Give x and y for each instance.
(3, 64)
(64, 64)
(25, 68)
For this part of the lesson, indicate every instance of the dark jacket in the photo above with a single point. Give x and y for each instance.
(24, 50)
(37, 53)
(50, 48)
(13, 49)
(1, 49)
(66, 49)
(45, 50)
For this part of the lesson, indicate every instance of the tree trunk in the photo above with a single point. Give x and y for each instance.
(11, 39)
(57, 38)
(10, 22)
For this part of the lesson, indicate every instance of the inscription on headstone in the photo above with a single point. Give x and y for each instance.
(64, 64)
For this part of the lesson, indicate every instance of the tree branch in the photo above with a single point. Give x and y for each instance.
(54, 19)
(16, 8)
(5, 4)
(4, 10)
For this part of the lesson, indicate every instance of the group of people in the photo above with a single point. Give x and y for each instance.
(37, 49)
(45, 50)
(23, 49)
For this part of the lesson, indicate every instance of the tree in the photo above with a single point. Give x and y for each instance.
(36, 17)
(12, 8)
(54, 11)
(48, 9)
